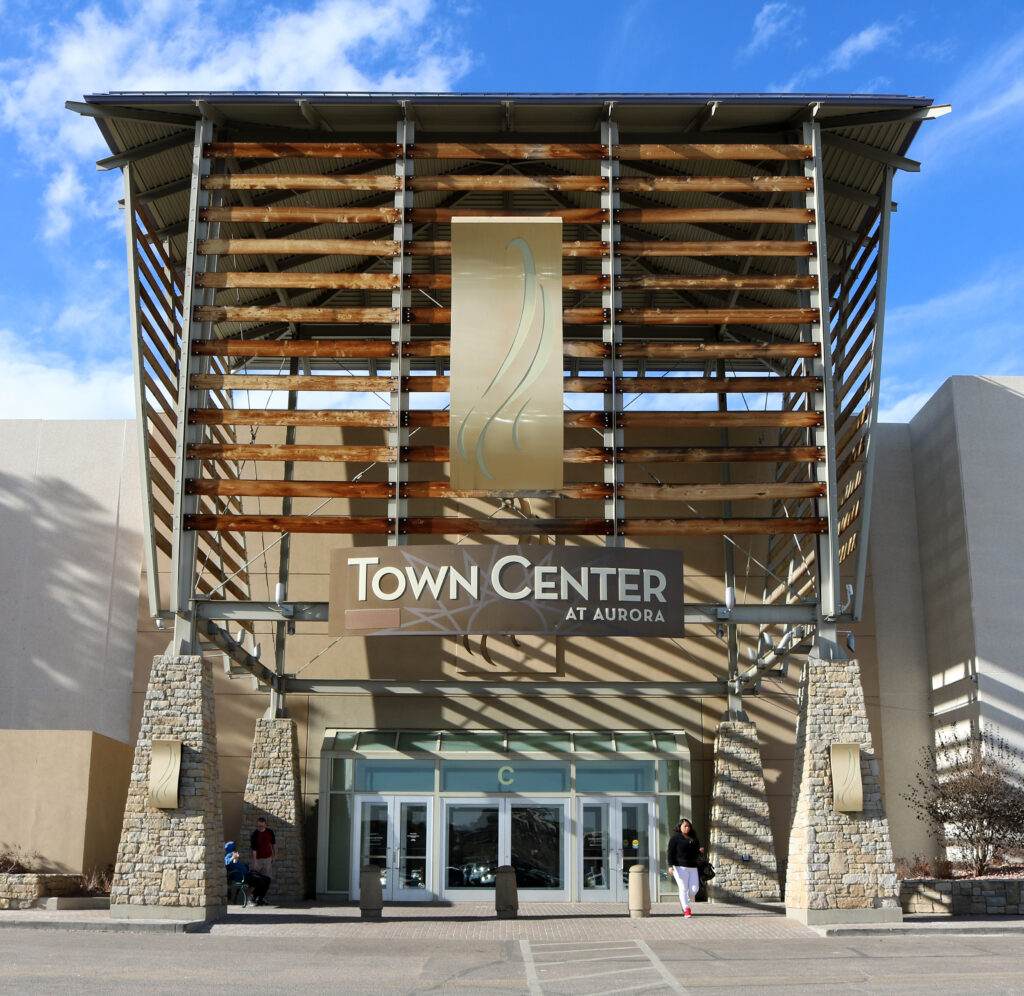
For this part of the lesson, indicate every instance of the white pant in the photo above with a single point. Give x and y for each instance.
(688, 882)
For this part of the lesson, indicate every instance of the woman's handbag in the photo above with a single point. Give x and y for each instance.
(705, 871)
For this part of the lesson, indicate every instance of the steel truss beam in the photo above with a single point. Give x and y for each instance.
(827, 544)
(694, 613)
(184, 542)
(876, 379)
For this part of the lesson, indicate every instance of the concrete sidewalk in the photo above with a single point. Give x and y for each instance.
(536, 922)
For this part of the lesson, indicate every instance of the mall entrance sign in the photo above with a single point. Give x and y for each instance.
(557, 591)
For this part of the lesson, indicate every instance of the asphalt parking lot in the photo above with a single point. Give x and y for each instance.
(550, 950)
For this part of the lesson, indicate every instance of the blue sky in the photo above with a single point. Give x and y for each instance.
(956, 287)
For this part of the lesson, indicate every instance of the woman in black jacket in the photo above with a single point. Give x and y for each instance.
(684, 852)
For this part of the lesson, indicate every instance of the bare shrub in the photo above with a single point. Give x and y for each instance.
(97, 882)
(14, 861)
(970, 791)
(918, 866)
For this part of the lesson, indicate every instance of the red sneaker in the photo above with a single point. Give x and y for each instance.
(687, 912)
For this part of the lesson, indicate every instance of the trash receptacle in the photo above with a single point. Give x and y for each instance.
(371, 898)
(639, 891)
(506, 893)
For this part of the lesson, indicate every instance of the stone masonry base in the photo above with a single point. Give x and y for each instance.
(841, 868)
(170, 862)
(273, 790)
(740, 844)
(963, 896)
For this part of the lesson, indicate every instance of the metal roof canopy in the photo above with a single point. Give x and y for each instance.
(860, 141)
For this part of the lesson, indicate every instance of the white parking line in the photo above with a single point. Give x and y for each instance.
(531, 972)
(669, 978)
(540, 958)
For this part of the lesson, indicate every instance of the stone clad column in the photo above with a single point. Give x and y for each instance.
(840, 864)
(274, 790)
(740, 827)
(170, 862)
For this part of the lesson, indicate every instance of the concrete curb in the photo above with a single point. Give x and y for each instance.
(106, 926)
(1015, 926)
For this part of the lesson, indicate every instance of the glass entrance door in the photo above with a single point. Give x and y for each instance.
(614, 835)
(530, 835)
(394, 834)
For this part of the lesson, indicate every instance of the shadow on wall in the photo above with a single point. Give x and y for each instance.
(69, 577)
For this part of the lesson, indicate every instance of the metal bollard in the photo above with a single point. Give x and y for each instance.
(506, 893)
(639, 891)
(371, 898)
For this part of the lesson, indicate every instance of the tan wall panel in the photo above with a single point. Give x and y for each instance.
(110, 771)
(63, 795)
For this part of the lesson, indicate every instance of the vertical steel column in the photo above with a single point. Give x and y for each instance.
(876, 380)
(141, 408)
(735, 696)
(827, 544)
(283, 626)
(611, 302)
(401, 302)
(184, 542)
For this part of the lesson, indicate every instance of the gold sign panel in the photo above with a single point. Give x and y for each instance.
(847, 788)
(164, 774)
(506, 354)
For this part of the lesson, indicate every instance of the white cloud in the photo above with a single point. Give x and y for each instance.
(53, 386)
(971, 329)
(906, 407)
(771, 20)
(163, 45)
(863, 43)
(843, 56)
(992, 88)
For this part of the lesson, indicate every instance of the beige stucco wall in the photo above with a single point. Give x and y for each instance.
(897, 635)
(989, 413)
(70, 554)
(63, 795)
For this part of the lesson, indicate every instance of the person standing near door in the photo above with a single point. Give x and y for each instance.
(264, 848)
(684, 853)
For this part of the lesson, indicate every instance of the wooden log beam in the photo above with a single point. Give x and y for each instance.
(300, 181)
(719, 492)
(570, 316)
(571, 385)
(725, 247)
(455, 526)
(368, 489)
(504, 150)
(296, 453)
(507, 150)
(717, 350)
(507, 182)
(382, 348)
(712, 184)
(272, 215)
(425, 418)
(285, 382)
(439, 454)
(299, 247)
(367, 281)
(782, 526)
(736, 151)
(302, 150)
(649, 281)
(708, 316)
(570, 216)
(728, 216)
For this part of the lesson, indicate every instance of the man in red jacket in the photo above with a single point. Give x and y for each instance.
(264, 848)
